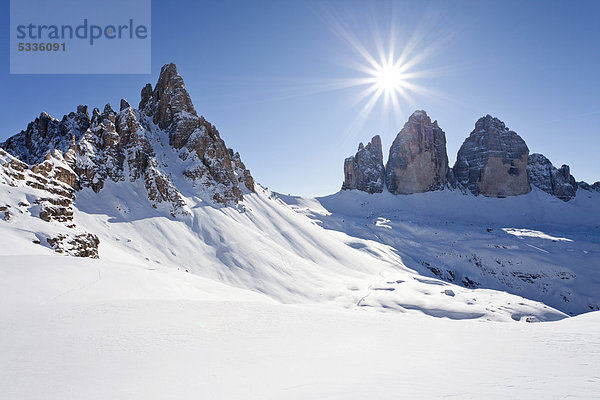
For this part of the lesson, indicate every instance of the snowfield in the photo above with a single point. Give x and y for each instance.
(347, 296)
(91, 329)
(533, 245)
(195, 282)
(267, 247)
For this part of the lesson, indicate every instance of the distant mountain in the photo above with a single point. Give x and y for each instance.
(493, 161)
(418, 161)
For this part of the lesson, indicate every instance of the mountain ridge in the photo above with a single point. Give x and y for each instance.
(493, 161)
(127, 146)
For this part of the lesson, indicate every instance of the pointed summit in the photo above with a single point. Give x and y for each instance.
(418, 161)
(122, 146)
(171, 108)
(493, 160)
(169, 101)
(124, 105)
(365, 171)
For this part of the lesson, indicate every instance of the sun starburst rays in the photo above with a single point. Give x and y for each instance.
(381, 69)
(388, 68)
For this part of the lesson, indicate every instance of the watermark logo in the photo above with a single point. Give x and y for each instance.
(80, 37)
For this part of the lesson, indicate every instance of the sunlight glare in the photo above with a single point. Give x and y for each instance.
(388, 78)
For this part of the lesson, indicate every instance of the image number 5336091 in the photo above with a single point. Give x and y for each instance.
(28, 46)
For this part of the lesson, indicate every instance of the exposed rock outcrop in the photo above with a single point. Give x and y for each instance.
(365, 171)
(128, 146)
(586, 186)
(163, 142)
(212, 164)
(492, 161)
(545, 176)
(81, 245)
(48, 195)
(418, 161)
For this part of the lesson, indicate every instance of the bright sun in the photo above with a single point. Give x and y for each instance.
(390, 63)
(388, 78)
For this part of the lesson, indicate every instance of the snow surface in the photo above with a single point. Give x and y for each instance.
(303, 298)
(95, 329)
(267, 247)
(533, 245)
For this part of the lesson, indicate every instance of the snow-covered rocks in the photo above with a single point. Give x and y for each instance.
(492, 161)
(586, 186)
(418, 161)
(364, 171)
(39, 200)
(127, 146)
(211, 163)
(545, 176)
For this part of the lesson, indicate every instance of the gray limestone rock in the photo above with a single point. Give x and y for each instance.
(364, 171)
(545, 176)
(210, 162)
(492, 161)
(121, 146)
(418, 161)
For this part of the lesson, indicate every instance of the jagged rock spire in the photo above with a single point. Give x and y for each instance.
(168, 99)
(556, 181)
(364, 171)
(121, 146)
(171, 108)
(492, 161)
(418, 161)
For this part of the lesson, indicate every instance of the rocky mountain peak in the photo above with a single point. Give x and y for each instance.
(108, 109)
(129, 146)
(418, 161)
(169, 80)
(124, 104)
(418, 116)
(556, 181)
(169, 103)
(493, 160)
(197, 139)
(487, 123)
(364, 171)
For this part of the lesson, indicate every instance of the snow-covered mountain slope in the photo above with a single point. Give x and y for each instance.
(34, 201)
(74, 328)
(265, 246)
(535, 245)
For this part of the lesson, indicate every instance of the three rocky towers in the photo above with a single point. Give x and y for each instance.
(493, 161)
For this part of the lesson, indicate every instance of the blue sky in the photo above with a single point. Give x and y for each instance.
(268, 75)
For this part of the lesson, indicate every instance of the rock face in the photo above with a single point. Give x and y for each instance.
(364, 171)
(586, 186)
(492, 161)
(129, 146)
(211, 163)
(418, 161)
(164, 146)
(47, 195)
(557, 182)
